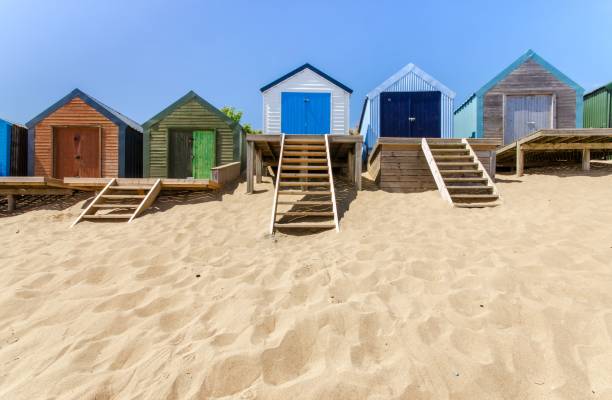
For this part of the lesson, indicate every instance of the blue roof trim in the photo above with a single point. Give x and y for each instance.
(113, 115)
(530, 54)
(300, 69)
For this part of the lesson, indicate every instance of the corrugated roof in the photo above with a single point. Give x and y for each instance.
(105, 110)
(607, 87)
(300, 69)
(411, 68)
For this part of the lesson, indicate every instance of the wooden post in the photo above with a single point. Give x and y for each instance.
(358, 165)
(520, 160)
(258, 165)
(350, 172)
(11, 202)
(249, 166)
(586, 159)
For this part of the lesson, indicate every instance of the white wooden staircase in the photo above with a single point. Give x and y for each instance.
(459, 175)
(120, 201)
(304, 196)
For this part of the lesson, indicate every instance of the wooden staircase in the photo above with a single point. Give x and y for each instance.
(120, 202)
(304, 196)
(459, 175)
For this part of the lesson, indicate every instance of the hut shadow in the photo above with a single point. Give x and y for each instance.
(28, 203)
(599, 168)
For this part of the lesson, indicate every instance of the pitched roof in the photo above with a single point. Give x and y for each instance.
(102, 108)
(191, 95)
(12, 123)
(529, 55)
(300, 69)
(411, 68)
(607, 87)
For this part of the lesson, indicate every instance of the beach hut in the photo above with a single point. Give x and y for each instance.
(13, 149)
(306, 101)
(410, 103)
(529, 95)
(189, 138)
(598, 107)
(79, 136)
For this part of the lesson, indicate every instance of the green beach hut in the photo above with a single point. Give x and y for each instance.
(188, 138)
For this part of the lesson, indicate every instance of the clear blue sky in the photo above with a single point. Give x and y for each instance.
(138, 56)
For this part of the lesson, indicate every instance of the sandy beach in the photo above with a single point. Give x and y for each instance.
(411, 300)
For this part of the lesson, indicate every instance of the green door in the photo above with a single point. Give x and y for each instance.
(204, 154)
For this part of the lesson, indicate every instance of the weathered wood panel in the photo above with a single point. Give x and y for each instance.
(529, 78)
(194, 116)
(76, 113)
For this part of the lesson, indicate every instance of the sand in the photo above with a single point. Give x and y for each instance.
(412, 300)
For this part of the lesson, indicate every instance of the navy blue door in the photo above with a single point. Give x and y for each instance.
(410, 114)
(305, 113)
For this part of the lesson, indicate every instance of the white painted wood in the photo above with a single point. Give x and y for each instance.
(277, 186)
(331, 183)
(309, 82)
(435, 172)
(94, 201)
(481, 167)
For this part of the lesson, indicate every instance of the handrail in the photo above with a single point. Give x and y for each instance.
(278, 175)
(482, 168)
(435, 171)
(331, 183)
(93, 202)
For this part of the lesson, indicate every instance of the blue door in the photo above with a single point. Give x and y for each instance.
(305, 113)
(5, 148)
(410, 114)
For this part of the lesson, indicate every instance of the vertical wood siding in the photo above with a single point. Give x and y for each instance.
(192, 115)
(598, 109)
(306, 81)
(529, 78)
(76, 113)
(410, 82)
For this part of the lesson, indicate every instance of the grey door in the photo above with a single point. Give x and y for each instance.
(526, 114)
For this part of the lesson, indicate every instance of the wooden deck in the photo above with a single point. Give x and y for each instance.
(399, 164)
(264, 151)
(94, 184)
(555, 141)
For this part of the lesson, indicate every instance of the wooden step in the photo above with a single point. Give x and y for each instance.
(453, 157)
(304, 147)
(107, 216)
(304, 160)
(304, 183)
(307, 213)
(466, 180)
(303, 192)
(118, 205)
(304, 153)
(456, 164)
(286, 175)
(434, 146)
(474, 196)
(447, 151)
(304, 225)
(460, 171)
(305, 167)
(130, 187)
(476, 205)
(306, 203)
(318, 141)
(123, 196)
(469, 187)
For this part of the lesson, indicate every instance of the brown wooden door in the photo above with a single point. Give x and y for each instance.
(77, 152)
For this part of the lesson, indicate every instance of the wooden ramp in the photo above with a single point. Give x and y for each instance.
(121, 201)
(459, 175)
(304, 196)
